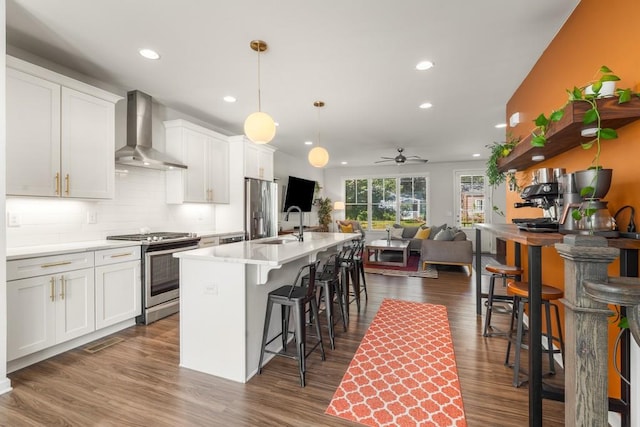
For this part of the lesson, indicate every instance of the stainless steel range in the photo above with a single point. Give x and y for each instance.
(160, 271)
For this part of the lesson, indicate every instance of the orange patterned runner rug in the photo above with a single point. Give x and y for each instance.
(404, 371)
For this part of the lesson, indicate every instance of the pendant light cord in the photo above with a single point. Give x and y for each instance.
(259, 100)
(319, 145)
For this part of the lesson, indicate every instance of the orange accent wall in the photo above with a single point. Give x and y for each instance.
(597, 33)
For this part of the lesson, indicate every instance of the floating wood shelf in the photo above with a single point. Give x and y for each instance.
(565, 134)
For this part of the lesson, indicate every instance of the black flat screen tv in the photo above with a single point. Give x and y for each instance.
(299, 193)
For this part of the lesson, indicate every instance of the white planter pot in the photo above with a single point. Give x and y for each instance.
(607, 89)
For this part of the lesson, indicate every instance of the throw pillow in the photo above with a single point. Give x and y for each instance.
(444, 235)
(460, 235)
(422, 233)
(346, 228)
(436, 229)
(396, 233)
(409, 232)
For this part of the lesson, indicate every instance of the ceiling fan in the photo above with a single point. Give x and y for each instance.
(401, 159)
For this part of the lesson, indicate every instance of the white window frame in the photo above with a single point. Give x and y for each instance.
(425, 175)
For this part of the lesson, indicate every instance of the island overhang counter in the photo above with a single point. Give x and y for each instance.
(223, 298)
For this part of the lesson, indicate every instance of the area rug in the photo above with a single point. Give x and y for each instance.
(411, 270)
(404, 371)
(430, 273)
(485, 259)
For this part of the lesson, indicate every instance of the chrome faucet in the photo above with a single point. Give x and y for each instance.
(300, 236)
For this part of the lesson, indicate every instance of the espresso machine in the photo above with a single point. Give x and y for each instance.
(546, 197)
(586, 213)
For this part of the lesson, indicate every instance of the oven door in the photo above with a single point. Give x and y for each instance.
(162, 274)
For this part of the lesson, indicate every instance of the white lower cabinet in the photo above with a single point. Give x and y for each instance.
(118, 286)
(58, 298)
(47, 310)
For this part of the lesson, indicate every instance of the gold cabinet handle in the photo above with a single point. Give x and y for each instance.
(52, 286)
(121, 255)
(57, 183)
(55, 264)
(63, 285)
(66, 180)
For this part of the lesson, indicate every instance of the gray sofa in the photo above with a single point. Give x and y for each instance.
(449, 252)
(408, 233)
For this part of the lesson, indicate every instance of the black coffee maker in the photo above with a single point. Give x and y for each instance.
(584, 212)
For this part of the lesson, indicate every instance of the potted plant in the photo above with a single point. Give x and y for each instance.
(498, 151)
(593, 126)
(592, 121)
(325, 207)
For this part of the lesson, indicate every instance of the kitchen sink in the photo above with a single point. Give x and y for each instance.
(278, 241)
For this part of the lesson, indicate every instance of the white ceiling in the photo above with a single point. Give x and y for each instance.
(358, 56)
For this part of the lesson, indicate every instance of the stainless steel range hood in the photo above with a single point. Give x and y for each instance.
(139, 151)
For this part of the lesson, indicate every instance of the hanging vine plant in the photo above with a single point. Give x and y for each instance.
(500, 150)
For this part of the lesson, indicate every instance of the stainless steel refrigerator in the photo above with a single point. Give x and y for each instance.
(260, 209)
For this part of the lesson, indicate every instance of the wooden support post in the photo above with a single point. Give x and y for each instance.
(586, 338)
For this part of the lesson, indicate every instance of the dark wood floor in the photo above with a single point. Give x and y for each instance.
(137, 382)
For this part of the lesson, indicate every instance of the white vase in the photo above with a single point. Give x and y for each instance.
(608, 89)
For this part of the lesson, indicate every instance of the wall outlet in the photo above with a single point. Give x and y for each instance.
(13, 219)
(92, 217)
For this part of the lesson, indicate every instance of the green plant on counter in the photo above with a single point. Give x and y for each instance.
(500, 150)
(325, 207)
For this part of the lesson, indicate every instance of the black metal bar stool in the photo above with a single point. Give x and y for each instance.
(328, 284)
(359, 265)
(348, 274)
(503, 272)
(520, 292)
(297, 297)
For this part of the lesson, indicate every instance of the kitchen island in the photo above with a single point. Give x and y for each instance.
(223, 298)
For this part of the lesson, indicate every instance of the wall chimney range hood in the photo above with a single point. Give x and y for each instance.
(139, 151)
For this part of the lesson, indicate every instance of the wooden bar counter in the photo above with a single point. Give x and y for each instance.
(535, 242)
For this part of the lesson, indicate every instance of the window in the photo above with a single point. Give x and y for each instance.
(471, 199)
(382, 201)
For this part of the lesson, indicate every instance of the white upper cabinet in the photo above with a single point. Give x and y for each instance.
(206, 154)
(60, 135)
(33, 135)
(258, 161)
(87, 158)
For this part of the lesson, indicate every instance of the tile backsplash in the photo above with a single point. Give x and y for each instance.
(139, 202)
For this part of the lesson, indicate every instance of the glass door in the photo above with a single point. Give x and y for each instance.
(472, 199)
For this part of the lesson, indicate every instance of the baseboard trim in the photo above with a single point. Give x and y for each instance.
(5, 385)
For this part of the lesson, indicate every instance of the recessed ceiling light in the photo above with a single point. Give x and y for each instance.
(476, 154)
(343, 163)
(229, 98)
(501, 125)
(149, 53)
(426, 105)
(308, 143)
(424, 65)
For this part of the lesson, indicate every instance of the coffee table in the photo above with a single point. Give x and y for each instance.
(378, 247)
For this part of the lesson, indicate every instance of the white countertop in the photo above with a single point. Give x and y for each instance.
(218, 233)
(259, 252)
(64, 248)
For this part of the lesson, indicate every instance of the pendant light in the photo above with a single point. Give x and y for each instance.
(259, 127)
(318, 156)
